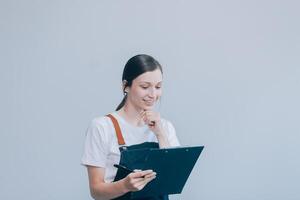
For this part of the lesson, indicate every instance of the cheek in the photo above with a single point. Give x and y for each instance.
(139, 93)
(159, 93)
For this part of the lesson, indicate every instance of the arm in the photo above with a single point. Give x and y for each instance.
(163, 141)
(165, 135)
(152, 119)
(101, 190)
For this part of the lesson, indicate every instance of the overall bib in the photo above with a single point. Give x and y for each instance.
(144, 145)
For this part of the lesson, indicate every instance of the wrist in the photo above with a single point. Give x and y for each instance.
(160, 135)
(122, 186)
(163, 141)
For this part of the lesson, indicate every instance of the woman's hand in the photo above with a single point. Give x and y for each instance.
(152, 119)
(137, 180)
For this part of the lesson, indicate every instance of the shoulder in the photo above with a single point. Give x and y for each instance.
(102, 121)
(100, 127)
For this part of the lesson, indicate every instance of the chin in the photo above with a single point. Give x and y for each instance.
(146, 107)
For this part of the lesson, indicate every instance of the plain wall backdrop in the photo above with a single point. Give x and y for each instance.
(231, 83)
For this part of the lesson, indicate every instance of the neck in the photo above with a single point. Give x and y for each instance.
(131, 114)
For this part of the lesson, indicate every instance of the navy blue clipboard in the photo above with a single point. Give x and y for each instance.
(172, 165)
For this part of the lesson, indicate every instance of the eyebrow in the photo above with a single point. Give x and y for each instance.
(149, 82)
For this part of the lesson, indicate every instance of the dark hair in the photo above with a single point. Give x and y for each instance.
(134, 67)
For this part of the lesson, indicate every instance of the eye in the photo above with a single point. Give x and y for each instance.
(144, 87)
(158, 87)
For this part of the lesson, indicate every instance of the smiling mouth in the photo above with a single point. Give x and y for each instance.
(149, 102)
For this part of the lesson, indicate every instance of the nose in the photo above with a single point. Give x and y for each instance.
(152, 93)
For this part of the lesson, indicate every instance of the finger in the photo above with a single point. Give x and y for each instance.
(152, 117)
(149, 116)
(146, 120)
(141, 173)
(150, 179)
(144, 117)
(136, 175)
(143, 183)
(137, 180)
(151, 123)
(150, 175)
(148, 113)
(146, 172)
(142, 113)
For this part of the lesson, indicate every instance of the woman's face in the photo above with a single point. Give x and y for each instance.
(145, 90)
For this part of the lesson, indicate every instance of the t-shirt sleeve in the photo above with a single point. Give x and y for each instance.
(95, 146)
(172, 137)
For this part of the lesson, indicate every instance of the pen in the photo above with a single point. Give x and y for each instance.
(123, 168)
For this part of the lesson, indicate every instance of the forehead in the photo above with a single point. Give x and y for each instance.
(150, 77)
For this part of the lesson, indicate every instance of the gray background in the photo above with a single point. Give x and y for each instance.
(231, 83)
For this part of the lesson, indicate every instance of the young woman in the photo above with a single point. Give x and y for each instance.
(134, 124)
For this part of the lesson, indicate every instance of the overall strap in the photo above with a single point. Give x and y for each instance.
(117, 129)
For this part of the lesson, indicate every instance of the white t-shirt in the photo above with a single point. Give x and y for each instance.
(101, 148)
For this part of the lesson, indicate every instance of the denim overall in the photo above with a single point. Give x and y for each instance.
(144, 145)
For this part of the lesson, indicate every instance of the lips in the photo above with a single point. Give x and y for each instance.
(149, 102)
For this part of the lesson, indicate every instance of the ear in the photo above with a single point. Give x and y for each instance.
(124, 85)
